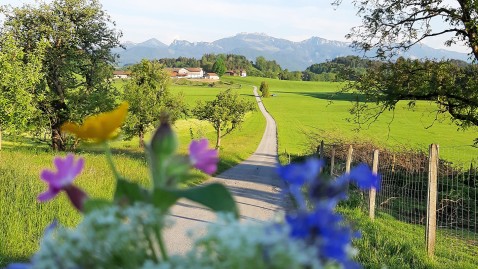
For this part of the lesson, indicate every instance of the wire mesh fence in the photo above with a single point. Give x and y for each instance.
(404, 192)
(457, 204)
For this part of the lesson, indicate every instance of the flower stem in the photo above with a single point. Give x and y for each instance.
(161, 245)
(109, 158)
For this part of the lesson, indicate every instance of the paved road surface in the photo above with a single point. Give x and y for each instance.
(253, 183)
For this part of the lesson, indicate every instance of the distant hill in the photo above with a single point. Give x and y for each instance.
(295, 56)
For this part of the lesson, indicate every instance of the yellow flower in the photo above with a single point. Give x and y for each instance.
(99, 127)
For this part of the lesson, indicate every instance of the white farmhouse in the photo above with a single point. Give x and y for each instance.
(211, 76)
(195, 73)
(121, 74)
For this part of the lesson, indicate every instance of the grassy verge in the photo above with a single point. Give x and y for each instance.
(387, 242)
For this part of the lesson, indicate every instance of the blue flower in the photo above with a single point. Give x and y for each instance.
(325, 229)
(19, 266)
(299, 174)
(329, 191)
(364, 178)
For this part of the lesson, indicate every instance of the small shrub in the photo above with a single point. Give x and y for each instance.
(264, 89)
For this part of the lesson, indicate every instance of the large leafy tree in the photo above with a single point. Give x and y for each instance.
(147, 93)
(17, 83)
(390, 27)
(78, 60)
(226, 112)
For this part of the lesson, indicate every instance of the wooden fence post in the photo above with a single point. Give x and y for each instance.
(372, 192)
(332, 161)
(432, 199)
(393, 163)
(349, 159)
(321, 150)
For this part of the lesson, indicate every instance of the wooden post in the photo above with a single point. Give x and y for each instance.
(321, 150)
(432, 199)
(332, 160)
(372, 192)
(349, 159)
(393, 163)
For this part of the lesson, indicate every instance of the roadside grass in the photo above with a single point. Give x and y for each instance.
(302, 107)
(389, 243)
(23, 219)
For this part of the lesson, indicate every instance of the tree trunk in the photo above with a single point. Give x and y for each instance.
(141, 138)
(58, 117)
(218, 138)
(57, 142)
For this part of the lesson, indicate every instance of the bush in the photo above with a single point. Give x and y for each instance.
(264, 89)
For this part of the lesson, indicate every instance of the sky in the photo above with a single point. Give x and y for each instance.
(209, 20)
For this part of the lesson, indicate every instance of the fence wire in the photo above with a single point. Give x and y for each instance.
(404, 191)
(457, 204)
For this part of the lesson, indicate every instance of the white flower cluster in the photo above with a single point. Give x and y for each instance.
(232, 244)
(113, 237)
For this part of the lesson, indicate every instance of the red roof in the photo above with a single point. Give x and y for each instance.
(194, 69)
(121, 72)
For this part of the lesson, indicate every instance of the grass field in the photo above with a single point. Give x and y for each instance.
(23, 219)
(300, 107)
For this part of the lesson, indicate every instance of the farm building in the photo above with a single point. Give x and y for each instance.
(211, 76)
(186, 72)
(121, 74)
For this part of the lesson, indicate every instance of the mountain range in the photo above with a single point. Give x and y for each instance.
(295, 56)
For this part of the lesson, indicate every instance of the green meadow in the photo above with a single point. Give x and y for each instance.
(299, 108)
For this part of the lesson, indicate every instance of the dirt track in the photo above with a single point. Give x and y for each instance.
(254, 184)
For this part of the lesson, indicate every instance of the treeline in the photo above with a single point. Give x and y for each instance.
(334, 70)
(347, 68)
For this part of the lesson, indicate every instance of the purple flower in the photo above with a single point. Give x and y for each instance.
(203, 158)
(62, 179)
(364, 178)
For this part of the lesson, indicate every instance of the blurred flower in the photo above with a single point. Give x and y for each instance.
(164, 141)
(325, 229)
(203, 158)
(364, 178)
(99, 127)
(301, 173)
(62, 179)
(19, 266)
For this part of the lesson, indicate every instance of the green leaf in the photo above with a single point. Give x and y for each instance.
(95, 204)
(130, 192)
(164, 199)
(214, 196)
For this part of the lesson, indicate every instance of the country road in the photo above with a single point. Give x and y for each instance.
(253, 183)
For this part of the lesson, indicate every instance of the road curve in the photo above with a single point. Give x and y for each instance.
(253, 183)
